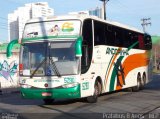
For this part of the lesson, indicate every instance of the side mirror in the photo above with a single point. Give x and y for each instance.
(78, 47)
(10, 46)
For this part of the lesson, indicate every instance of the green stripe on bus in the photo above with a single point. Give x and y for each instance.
(113, 76)
(109, 64)
(56, 93)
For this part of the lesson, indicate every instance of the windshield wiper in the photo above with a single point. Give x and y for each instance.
(38, 67)
(54, 67)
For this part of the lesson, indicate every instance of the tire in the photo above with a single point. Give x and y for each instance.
(139, 84)
(94, 98)
(100, 88)
(48, 101)
(143, 80)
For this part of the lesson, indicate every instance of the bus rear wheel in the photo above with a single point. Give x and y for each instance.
(48, 101)
(94, 98)
(143, 80)
(139, 84)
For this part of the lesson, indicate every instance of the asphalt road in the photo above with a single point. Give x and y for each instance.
(120, 105)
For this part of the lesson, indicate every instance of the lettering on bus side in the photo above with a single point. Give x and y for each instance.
(68, 80)
(44, 80)
(116, 51)
(85, 86)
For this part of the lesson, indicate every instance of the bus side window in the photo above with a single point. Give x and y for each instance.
(118, 34)
(99, 33)
(126, 41)
(147, 42)
(109, 35)
(141, 41)
(85, 56)
(135, 39)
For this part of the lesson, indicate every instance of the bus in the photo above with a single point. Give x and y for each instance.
(80, 56)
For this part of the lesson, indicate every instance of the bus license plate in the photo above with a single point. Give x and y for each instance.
(46, 94)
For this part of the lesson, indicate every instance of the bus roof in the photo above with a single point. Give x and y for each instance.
(83, 17)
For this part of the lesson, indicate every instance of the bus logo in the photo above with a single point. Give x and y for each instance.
(120, 73)
(116, 51)
(67, 27)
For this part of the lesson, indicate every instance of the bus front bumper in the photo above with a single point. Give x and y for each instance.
(55, 93)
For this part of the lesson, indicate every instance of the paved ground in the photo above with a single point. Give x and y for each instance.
(123, 104)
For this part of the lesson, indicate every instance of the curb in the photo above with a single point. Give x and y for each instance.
(9, 91)
(153, 114)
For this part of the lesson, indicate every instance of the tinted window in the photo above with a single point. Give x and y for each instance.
(99, 33)
(87, 45)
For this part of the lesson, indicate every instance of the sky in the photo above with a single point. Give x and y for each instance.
(129, 12)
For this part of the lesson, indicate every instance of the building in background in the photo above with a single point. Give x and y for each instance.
(98, 11)
(19, 17)
(80, 12)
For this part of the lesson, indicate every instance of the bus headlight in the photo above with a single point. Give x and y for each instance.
(70, 85)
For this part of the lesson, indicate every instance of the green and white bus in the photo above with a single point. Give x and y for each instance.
(80, 56)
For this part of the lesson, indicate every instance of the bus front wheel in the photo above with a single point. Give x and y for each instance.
(94, 98)
(48, 101)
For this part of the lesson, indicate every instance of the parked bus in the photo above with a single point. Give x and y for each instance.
(79, 56)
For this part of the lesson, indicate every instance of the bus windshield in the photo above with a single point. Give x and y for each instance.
(49, 59)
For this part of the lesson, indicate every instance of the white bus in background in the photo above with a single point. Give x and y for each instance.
(66, 57)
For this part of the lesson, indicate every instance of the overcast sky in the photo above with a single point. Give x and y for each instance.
(128, 12)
